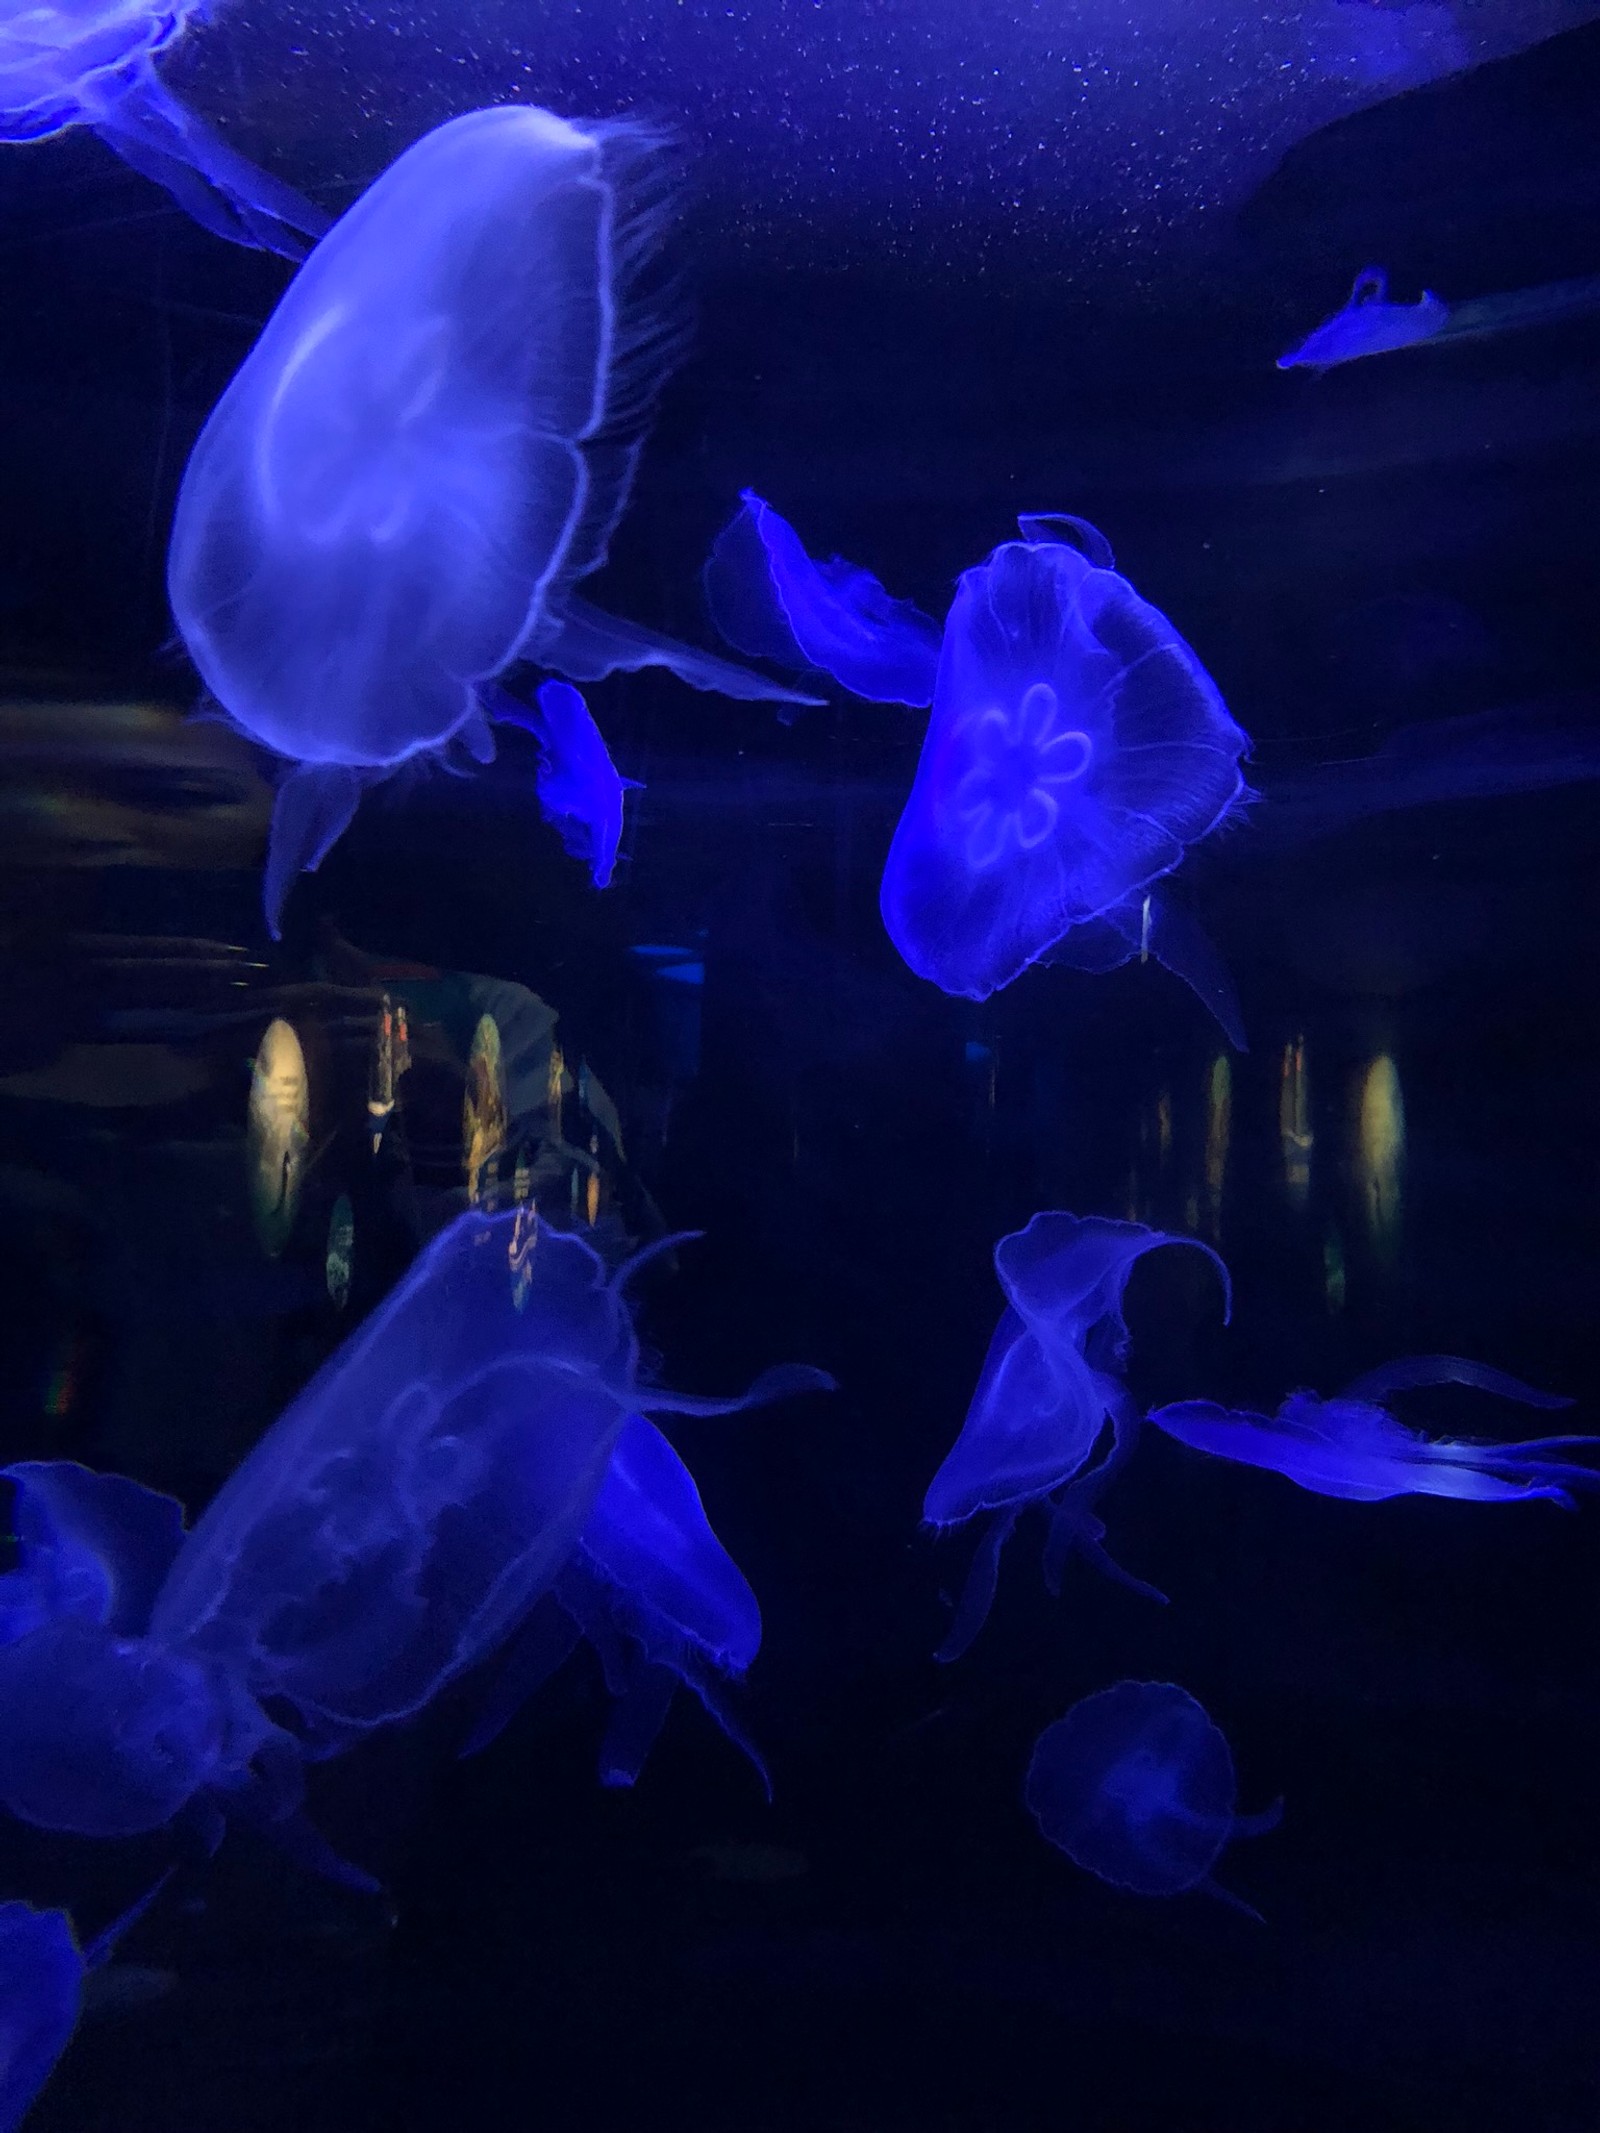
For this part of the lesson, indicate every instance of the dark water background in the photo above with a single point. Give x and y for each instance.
(891, 1944)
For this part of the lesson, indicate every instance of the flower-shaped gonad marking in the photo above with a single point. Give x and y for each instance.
(1021, 768)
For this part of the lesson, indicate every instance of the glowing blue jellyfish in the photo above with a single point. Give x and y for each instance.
(771, 601)
(1352, 1446)
(657, 1595)
(425, 452)
(1368, 325)
(92, 63)
(398, 1523)
(92, 1546)
(41, 1985)
(1136, 1785)
(580, 792)
(1077, 748)
(1050, 1385)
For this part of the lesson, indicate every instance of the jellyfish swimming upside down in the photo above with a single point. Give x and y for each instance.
(424, 453)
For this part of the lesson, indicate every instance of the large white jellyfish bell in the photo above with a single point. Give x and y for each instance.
(92, 63)
(424, 453)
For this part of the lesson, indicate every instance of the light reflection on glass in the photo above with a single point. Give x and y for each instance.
(1380, 1151)
(1294, 1122)
(1333, 1272)
(483, 1116)
(278, 1134)
(391, 1055)
(1164, 1126)
(339, 1263)
(1219, 1129)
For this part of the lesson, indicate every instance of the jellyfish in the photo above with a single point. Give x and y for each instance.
(1136, 1784)
(42, 1973)
(1352, 1445)
(1077, 748)
(398, 1523)
(1370, 325)
(769, 600)
(1155, 925)
(657, 1595)
(93, 1546)
(1050, 1384)
(426, 450)
(92, 63)
(579, 789)
(408, 1510)
(41, 1988)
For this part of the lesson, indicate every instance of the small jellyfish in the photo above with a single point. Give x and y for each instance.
(580, 791)
(1136, 1785)
(92, 1546)
(41, 1989)
(659, 1598)
(92, 63)
(427, 449)
(1352, 1445)
(1368, 325)
(769, 600)
(1050, 1385)
(1077, 748)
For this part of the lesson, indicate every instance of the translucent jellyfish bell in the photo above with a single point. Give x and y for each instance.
(1077, 748)
(41, 1986)
(1136, 1785)
(424, 453)
(92, 63)
(1353, 1447)
(1368, 325)
(580, 791)
(1050, 1385)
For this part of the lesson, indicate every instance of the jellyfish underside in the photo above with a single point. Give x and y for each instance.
(1136, 1785)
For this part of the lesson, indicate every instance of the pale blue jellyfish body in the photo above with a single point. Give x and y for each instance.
(771, 600)
(1368, 325)
(580, 790)
(426, 450)
(1137, 1785)
(1353, 1447)
(41, 1988)
(92, 63)
(659, 1598)
(398, 1523)
(1077, 748)
(1050, 1386)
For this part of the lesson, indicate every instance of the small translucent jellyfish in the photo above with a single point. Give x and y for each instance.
(659, 1598)
(1050, 1385)
(426, 450)
(1352, 1446)
(770, 600)
(41, 1987)
(1077, 748)
(92, 63)
(1136, 1785)
(580, 791)
(1368, 325)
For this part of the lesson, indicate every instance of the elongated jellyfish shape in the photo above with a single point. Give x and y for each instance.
(770, 600)
(657, 1595)
(424, 453)
(41, 1989)
(1370, 325)
(1353, 1446)
(1485, 755)
(580, 792)
(92, 63)
(1050, 1384)
(1136, 1784)
(1077, 748)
